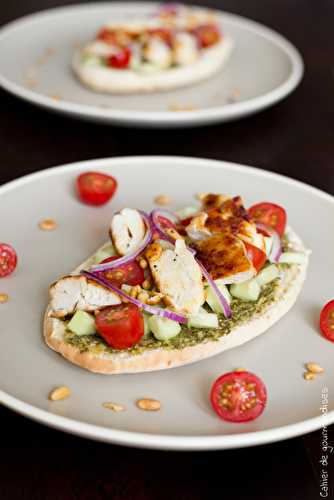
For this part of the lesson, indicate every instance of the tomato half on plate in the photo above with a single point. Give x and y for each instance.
(256, 255)
(121, 326)
(127, 274)
(8, 259)
(269, 214)
(238, 396)
(121, 59)
(327, 321)
(207, 35)
(96, 188)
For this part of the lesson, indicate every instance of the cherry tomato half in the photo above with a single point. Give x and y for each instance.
(121, 59)
(8, 259)
(270, 214)
(238, 396)
(121, 326)
(96, 188)
(327, 321)
(207, 35)
(127, 274)
(256, 255)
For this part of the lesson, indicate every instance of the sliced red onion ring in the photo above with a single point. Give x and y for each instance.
(276, 248)
(130, 257)
(225, 305)
(167, 214)
(158, 311)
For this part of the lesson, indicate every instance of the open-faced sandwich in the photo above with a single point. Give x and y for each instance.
(174, 288)
(176, 46)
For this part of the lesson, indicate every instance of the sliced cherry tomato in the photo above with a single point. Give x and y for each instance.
(238, 396)
(121, 326)
(8, 259)
(121, 59)
(186, 222)
(127, 274)
(163, 33)
(107, 36)
(207, 35)
(166, 223)
(327, 321)
(270, 214)
(256, 255)
(96, 188)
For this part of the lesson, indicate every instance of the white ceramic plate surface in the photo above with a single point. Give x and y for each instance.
(263, 69)
(29, 370)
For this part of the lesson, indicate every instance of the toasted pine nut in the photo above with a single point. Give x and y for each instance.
(3, 298)
(143, 297)
(59, 393)
(154, 300)
(240, 370)
(143, 263)
(314, 368)
(162, 199)
(148, 404)
(47, 225)
(146, 284)
(309, 375)
(114, 406)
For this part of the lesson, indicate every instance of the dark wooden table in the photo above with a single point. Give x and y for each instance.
(295, 138)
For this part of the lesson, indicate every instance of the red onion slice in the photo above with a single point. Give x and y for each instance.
(225, 305)
(276, 249)
(158, 311)
(167, 214)
(130, 257)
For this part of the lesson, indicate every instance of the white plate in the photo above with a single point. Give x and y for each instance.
(28, 369)
(264, 68)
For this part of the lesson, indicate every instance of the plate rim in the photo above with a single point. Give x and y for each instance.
(161, 441)
(225, 112)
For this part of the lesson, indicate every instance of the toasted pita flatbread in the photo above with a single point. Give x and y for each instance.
(158, 358)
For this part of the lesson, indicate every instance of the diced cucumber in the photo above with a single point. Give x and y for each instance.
(92, 60)
(248, 291)
(268, 274)
(292, 258)
(203, 319)
(268, 241)
(147, 329)
(163, 328)
(82, 323)
(212, 300)
(104, 253)
(186, 212)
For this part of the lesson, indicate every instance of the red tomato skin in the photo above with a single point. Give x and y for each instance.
(269, 210)
(107, 36)
(327, 321)
(257, 256)
(133, 274)
(121, 326)
(166, 223)
(95, 188)
(8, 259)
(121, 60)
(240, 377)
(207, 35)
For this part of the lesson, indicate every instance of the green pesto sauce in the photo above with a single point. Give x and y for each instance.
(241, 312)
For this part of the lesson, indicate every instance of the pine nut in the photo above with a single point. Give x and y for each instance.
(314, 368)
(146, 284)
(47, 225)
(59, 393)
(148, 404)
(3, 298)
(114, 406)
(309, 376)
(162, 199)
(143, 263)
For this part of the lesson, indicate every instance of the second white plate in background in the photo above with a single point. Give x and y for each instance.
(263, 69)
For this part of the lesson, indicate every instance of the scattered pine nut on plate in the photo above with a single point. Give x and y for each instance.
(162, 199)
(3, 298)
(47, 225)
(60, 393)
(314, 368)
(148, 404)
(114, 406)
(309, 376)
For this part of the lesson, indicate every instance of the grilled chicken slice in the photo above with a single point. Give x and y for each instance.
(197, 230)
(127, 230)
(177, 275)
(224, 256)
(73, 293)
